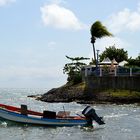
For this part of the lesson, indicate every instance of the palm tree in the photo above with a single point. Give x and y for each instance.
(98, 31)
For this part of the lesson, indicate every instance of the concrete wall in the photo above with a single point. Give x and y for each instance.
(118, 82)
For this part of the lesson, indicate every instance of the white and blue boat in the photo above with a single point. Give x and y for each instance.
(47, 118)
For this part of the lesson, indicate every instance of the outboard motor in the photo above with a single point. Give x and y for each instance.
(91, 115)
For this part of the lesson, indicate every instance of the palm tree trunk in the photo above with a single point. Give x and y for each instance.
(94, 56)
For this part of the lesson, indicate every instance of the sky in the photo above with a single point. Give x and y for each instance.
(36, 35)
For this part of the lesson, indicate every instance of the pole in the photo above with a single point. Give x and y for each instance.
(130, 71)
(97, 58)
(100, 71)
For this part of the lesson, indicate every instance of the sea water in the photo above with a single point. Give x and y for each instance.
(122, 121)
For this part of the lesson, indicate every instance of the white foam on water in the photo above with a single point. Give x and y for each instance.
(115, 115)
(4, 124)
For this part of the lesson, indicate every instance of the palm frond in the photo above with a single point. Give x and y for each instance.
(98, 30)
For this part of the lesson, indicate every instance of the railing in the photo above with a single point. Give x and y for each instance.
(118, 71)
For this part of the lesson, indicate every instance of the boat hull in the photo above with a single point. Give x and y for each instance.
(38, 120)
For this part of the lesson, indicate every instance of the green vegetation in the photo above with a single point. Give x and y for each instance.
(134, 62)
(81, 85)
(112, 52)
(123, 93)
(120, 54)
(73, 69)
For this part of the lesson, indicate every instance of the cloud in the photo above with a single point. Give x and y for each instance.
(6, 2)
(60, 17)
(125, 20)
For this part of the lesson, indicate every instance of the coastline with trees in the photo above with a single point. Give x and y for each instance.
(94, 87)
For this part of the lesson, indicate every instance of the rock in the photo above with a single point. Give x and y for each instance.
(81, 94)
(66, 93)
(37, 97)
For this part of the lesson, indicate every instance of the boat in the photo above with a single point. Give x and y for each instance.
(47, 118)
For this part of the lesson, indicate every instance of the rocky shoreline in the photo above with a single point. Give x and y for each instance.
(78, 93)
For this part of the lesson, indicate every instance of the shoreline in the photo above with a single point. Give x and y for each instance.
(79, 94)
(118, 102)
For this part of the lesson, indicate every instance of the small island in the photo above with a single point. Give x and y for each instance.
(110, 77)
(80, 93)
(106, 87)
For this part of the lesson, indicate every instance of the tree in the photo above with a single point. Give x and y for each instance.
(134, 62)
(73, 70)
(98, 31)
(138, 58)
(114, 53)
